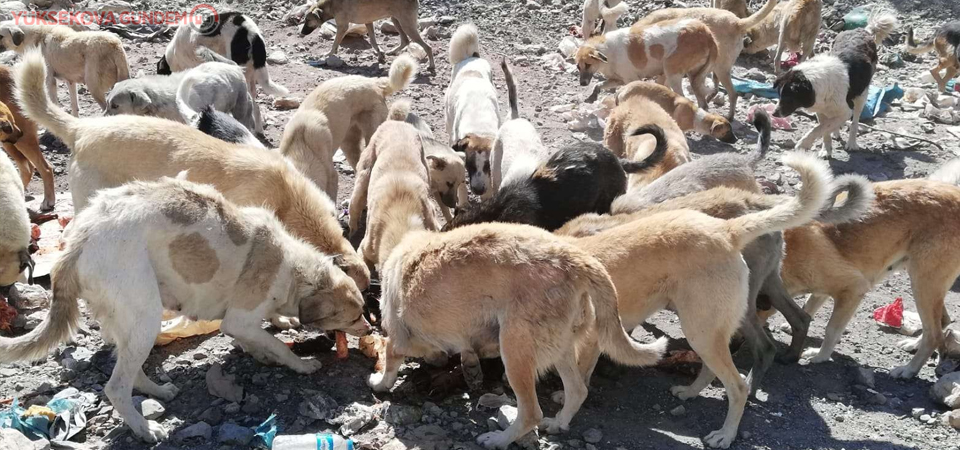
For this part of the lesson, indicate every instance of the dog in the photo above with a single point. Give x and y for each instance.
(835, 86)
(669, 49)
(403, 14)
(146, 247)
(472, 111)
(343, 113)
(686, 115)
(14, 229)
(728, 31)
(22, 142)
(574, 181)
(948, 173)
(234, 36)
(109, 151)
(737, 7)
(224, 127)
(178, 96)
(619, 138)
(607, 11)
(538, 300)
(93, 58)
(393, 184)
(793, 27)
(947, 45)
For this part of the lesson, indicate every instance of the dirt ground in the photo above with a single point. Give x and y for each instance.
(803, 406)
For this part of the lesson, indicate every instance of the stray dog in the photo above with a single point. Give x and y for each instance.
(237, 38)
(948, 173)
(518, 150)
(178, 96)
(607, 11)
(793, 27)
(393, 184)
(737, 7)
(835, 86)
(947, 45)
(687, 115)
(14, 229)
(574, 181)
(93, 58)
(146, 247)
(729, 32)
(472, 110)
(619, 138)
(224, 127)
(110, 151)
(343, 113)
(21, 141)
(540, 300)
(403, 14)
(669, 49)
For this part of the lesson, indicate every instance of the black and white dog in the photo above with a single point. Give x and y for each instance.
(230, 37)
(835, 85)
(225, 127)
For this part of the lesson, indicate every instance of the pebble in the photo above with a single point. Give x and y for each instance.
(152, 409)
(916, 413)
(231, 408)
(678, 411)
(593, 435)
(199, 355)
(834, 397)
(400, 415)
(319, 406)
(952, 419)
(506, 415)
(278, 57)
(865, 376)
(212, 415)
(251, 405)
(446, 20)
(197, 430)
(532, 5)
(334, 62)
(233, 434)
(431, 33)
(223, 386)
(11, 439)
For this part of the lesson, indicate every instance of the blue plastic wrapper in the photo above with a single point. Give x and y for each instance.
(32, 427)
(267, 430)
(757, 88)
(879, 100)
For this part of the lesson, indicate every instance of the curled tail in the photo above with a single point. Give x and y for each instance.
(464, 44)
(399, 110)
(32, 95)
(914, 47)
(259, 53)
(857, 201)
(881, 24)
(761, 121)
(183, 91)
(753, 20)
(658, 152)
(511, 89)
(402, 72)
(792, 212)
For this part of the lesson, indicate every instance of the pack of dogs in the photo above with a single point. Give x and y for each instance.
(558, 256)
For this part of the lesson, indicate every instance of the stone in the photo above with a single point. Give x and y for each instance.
(952, 419)
(401, 415)
(431, 33)
(11, 439)
(756, 74)
(506, 415)
(354, 417)
(834, 397)
(446, 20)
(286, 103)
(865, 376)
(334, 62)
(278, 57)
(925, 418)
(152, 409)
(197, 430)
(430, 437)
(223, 386)
(947, 390)
(678, 411)
(319, 406)
(212, 415)
(532, 5)
(233, 434)
(876, 398)
(251, 405)
(593, 435)
(916, 413)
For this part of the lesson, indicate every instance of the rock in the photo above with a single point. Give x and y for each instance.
(197, 430)
(334, 62)
(532, 5)
(30, 296)
(319, 406)
(286, 103)
(593, 435)
(446, 20)
(529, 441)
(494, 401)
(678, 411)
(400, 415)
(251, 405)
(431, 33)
(387, 27)
(232, 408)
(212, 415)
(223, 386)
(233, 434)
(33, 320)
(394, 444)
(892, 60)
(756, 74)
(865, 376)
(506, 415)
(947, 390)
(876, 398)
(11, 439)
(278, 57)
(354, 417)
(834, 397)
(152, 409)
(952, 419)
(924, 418)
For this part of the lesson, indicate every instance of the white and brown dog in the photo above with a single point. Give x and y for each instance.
(793, 27)
(686, 114)
(946, 43)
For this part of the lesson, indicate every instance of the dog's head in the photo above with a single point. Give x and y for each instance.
(589, 59)
(447, 173)
(319, 13)
(128, 97)
(796, 91)
(11, 37)
(476, 151)
(9, 132)
(331, 301)
(721, 129)
(163, 67)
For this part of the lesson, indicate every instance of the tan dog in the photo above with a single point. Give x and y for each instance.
(729, 32)
(946, 40)
(110, 151)
(687, 115)
(618, 137)
(668, 49)
(341, 113)
(393, 184)
(14, 229)
(793, 27)
(738, 7)
(93, 58)
(403, 13)
(22, 142)
(539, 300)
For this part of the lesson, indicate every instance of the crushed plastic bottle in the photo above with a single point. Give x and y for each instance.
(318, 441)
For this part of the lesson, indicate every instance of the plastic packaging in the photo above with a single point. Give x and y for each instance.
(856, 18)
(318, 441)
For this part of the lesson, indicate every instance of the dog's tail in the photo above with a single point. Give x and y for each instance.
(258, 51)
(881, 24)
(188, 113)
(464, 44)
(761, 121)
(948, 173)
(32, 95)
(753, 20)
(511, 89)
(119, 59)
(402, 72)
(792, 212)
(658, 152)
(852, 206)
(61, 322)
(914, 47)
(399, 110)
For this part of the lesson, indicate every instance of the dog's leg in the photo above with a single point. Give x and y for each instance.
(704, 378)
(472, 373)
(372, 32)
(74, 102)
(520, 361)
(31, 151)
(342, 29)
(382, 382)
(411, 29)
(23, 165)
(92, 72)
(727, 82)
(929, 285)
(797, 319)
(145, 385)
(713, 350)
(574, 393)
(858, 105)
(844, 306)
(358, 200)
(675, 82)
(761, 345)
(935, 72)
(404, 40)
(244, 326)
(816, 132)
(352, 144)
(252, 88)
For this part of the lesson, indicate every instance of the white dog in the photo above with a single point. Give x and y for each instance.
(518, 150)
(608, 10)
(14, 227)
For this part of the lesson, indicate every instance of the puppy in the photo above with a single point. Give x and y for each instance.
(729, 32)
(540, 300)
(93, 58)
(793, 27)
(607, 11)
(668, 49)
(686, 115)
(737, 7)
(14, 229)
(143, 248)
(21, 141)
(224, 127)
(234, 36)
(835, 86)
(472, 110)
(518, 150)
(110, 151)
(343, 113)
(947, 45)
(619, 138)
(574, 181)
(403, 14)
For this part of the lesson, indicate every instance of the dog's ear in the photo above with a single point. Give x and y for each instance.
(139, 99)
(462, 145)
(140, 74)
(599, 56)
(6, 128)
(436, 162)
(163, 67)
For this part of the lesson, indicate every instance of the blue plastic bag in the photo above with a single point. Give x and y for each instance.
(33, 427)
(743, 86)
(879, 100)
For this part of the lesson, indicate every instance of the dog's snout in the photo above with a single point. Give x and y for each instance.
(305, 30)
(730, 138)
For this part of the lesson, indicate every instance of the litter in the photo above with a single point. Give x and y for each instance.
(790, 62)
(890, 315)
(744, 86)
(62, 418)
(568, 46)
(40, 411)
(879, 100)
(779, 123)
(267, 430)
(856, 18)
(176, 327)
(7, 314)
(318, 441)
(343, 351)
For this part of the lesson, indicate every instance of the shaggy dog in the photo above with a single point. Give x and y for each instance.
(607, 11)
(947, 45)
(793, 27)
(14, 229)
(22, 142)
(687, 115)
(619, 138)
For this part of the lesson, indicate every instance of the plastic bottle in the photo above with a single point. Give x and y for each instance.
(318, 441)
(953, 86)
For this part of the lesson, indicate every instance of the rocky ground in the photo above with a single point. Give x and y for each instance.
(849, 403)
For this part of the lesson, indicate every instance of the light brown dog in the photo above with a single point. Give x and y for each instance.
(540, 299)
(393, 184)
(21, 142)
(403, 13)
(728, 31)
(793, 27)
(618, 137)
(14, 229)
(946, 40)
(110, 151)
(687, 115)
(738, 7)
(341, 113)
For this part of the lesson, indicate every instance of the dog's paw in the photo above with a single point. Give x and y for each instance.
(851, 147)
(558, 397)
(785, 327)
(473, 375)
(47, 205)
(903, 372)
(684, 392)
(815, 355)
(168, 391)
(284, 322)
(552, 425)
(824, 154)
(909, 345)
(720, 438)
(152, 433)
(378, 382)
(787, 358)
(494, 440)
(308, 366)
